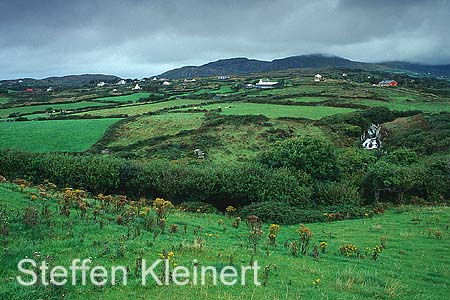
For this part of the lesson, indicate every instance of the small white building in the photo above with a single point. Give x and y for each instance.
(137, 87)
(122, 82)
(189, 80)
(114, 90)
(166, 83)
(50, 89)
(266, 84)
(318, 78)
(100, 84)
(154, 78)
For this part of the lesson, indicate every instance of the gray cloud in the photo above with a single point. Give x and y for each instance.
(135, 38)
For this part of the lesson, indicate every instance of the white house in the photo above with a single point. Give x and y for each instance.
(49, 89)
(137, 87)
(266, 84)
(154, 78)
(318, 78)
(100, 84)
(122, 82)
(166, 83)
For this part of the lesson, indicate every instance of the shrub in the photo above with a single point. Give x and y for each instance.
(313, 156)
(336, 193)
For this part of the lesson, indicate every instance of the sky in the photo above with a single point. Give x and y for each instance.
(138, 38)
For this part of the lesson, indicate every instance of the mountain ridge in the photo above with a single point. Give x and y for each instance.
(244, 66)
(66, 80)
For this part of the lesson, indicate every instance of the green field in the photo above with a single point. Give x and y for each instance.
(125, 98)
(50, 136)
(276, 111)
(152, 126)
(141, 108)
(413, 265)
(3, 100)
(402, 105)
(5, 112)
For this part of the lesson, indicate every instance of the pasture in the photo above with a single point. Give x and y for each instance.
(275, 110)
(28, 109)
(138, 109)
(412, 265)
(146, 127)
(51, 136)
(124, 98)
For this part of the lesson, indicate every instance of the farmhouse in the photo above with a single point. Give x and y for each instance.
(100, 84)
(137, 87)
(49, 89)
(122, 82)
(29, 90)
(223, 77)
(166, 83)
(266, 84)
(387, 83)
(318, 78)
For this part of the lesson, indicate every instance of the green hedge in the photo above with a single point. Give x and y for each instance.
(232, 184)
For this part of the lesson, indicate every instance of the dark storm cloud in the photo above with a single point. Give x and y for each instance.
(141, 38)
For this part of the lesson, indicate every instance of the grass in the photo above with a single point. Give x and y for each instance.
(152, 126)
(276, 111)
(4, 100)
(414, 264)
(50, 136)
(5, 112)
(125, 98)
(141, 108)
(224, 142)
(306, 99)
(401, 105)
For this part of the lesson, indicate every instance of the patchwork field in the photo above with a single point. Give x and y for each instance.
(50, 136)
(5, 112)
(141, 108)
(413, 265)
(276, 111)
(125, 98)
(152, 126)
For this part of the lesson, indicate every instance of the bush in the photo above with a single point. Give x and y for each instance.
(336, 193)
(310, 155)
(280, 213)
(232, 184)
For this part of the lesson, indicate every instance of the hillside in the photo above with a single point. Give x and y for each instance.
(242, 66)
(215, 240)
(69, 80)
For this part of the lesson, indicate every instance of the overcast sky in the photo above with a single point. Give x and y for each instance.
(137, 38)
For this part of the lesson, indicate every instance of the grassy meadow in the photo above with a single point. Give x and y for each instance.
(5, 112)
(413, 264)
(138, 109)
(51, 136)
(124, 98)
(276, 111)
